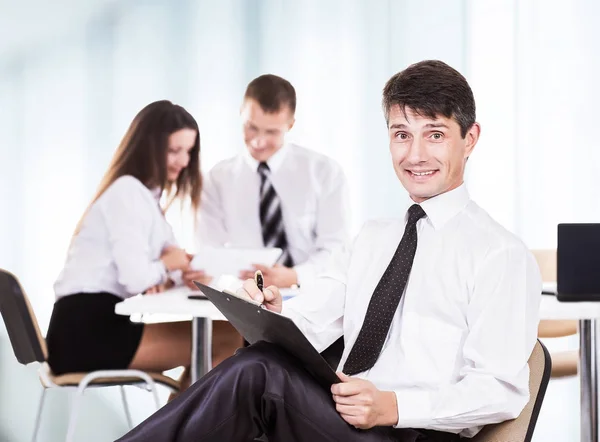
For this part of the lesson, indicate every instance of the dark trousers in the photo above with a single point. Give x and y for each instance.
(261, 390)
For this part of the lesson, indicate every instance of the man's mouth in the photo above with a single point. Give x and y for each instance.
(421, 175)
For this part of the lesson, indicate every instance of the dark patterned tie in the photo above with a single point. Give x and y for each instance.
(385, 300)
(271, 218)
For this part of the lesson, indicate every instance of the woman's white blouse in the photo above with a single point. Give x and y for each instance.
(119, 244)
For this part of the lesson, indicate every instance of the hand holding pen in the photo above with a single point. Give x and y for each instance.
(270, 297)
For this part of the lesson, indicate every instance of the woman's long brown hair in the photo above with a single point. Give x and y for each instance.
(143, 154)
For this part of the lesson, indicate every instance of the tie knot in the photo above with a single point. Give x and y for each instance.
(415, 213)
(263, 168)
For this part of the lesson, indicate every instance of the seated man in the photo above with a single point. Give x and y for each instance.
(275, 193)
(438, 311)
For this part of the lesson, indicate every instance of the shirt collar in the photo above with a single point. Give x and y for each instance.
(442, 208)
(156, 193)
(274, 162)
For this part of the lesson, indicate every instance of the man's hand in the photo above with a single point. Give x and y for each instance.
(362, 405)
(278, 275)
(189, 276)
(269, 297)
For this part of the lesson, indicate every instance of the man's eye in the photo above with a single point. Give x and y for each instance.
(437, 136)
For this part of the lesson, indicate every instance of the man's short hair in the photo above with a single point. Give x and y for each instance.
(431, 88)
(272, 93)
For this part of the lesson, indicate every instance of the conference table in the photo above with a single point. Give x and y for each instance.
(588, 314)
(175, 305)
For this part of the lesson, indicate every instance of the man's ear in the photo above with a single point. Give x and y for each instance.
(291, 124)
(471, 138)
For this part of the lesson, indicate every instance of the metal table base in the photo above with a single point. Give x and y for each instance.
(588, 375)
(201, 348)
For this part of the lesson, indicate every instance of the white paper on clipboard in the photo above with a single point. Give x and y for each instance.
(217, 261)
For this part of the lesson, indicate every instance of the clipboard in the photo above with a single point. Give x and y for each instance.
(256, 323)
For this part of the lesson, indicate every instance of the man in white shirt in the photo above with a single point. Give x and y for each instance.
(438, 310)
(275, 194)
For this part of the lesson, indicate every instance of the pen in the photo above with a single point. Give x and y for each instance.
(260, 282)
(258, 279)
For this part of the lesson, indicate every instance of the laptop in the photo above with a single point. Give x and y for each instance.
(578, 262)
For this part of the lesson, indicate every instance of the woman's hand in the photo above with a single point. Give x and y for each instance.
(175, 258)
(155, 289)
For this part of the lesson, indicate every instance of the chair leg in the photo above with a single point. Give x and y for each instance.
(126, 407)
(74, 412)
(155, 394)
(151, 387)
(38, 418)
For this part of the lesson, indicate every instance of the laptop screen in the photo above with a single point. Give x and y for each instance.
(578, 259)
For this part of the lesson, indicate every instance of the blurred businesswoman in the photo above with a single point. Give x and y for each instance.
(124, 246)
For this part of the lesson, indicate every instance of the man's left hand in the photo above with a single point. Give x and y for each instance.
(362, 405)
(278, 275)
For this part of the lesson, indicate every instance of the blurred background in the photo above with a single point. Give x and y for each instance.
(74, 73)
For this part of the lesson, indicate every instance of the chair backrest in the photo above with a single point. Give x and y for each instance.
(23, 330)
(546, 259)
(552, 328)
(521, 428)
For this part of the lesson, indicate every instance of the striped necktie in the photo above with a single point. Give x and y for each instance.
(271, 218)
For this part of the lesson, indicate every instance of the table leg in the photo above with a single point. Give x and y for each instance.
(201, 347)
(588, 373)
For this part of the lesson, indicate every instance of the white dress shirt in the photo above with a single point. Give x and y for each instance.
(118, 247)
(457, 349)
(314, 202)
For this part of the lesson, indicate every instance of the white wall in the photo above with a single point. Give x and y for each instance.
(66, 101)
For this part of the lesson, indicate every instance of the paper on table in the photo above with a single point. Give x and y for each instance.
(217, 261)
(289, 293)
(224, 282)
(230, 284)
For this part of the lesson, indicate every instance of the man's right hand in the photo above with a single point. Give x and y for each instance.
(270, 297)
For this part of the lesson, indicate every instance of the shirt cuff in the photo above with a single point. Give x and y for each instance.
(414, 408)
(286, 310)
(176, 276)
(161, 270)
(305, 273)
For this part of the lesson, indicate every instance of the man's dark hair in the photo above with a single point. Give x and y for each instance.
(272, 93)
(431, 88)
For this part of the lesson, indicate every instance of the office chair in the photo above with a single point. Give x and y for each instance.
(521, 428)
(30, 346)
(564, 363)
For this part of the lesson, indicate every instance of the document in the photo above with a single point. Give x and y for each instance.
(217, 261)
